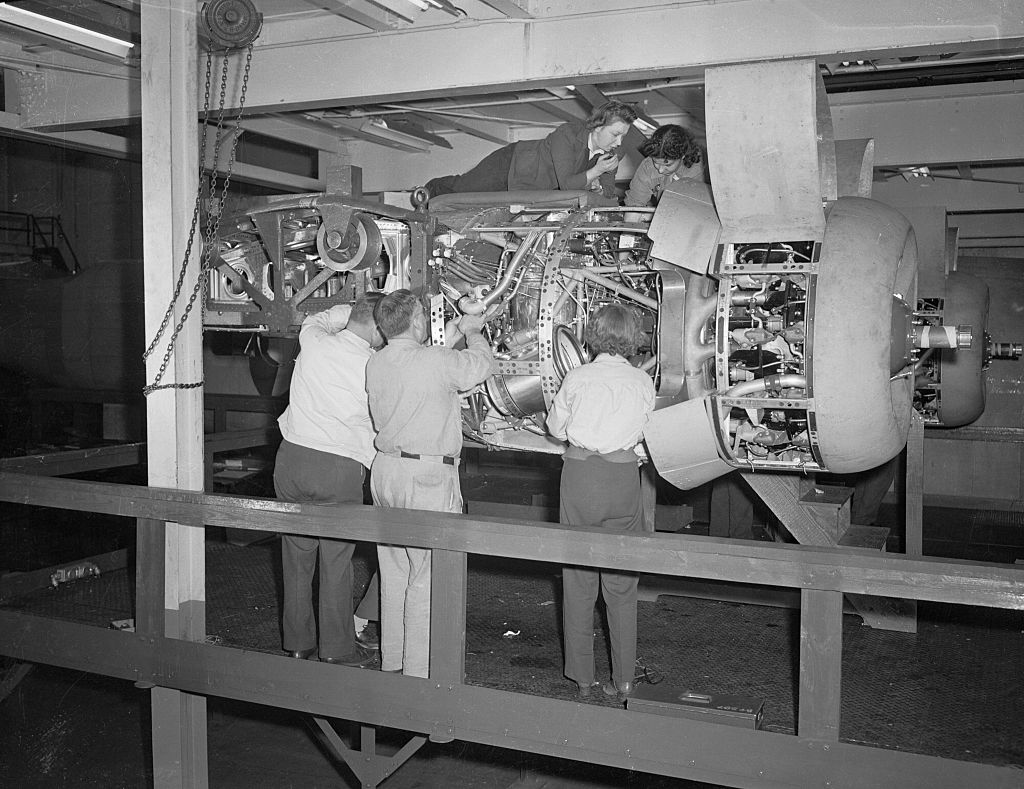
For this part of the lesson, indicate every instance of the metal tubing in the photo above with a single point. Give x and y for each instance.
(615, 287)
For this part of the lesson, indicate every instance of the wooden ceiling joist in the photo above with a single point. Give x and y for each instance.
(508, 8)
(343, 8)
(461, 126)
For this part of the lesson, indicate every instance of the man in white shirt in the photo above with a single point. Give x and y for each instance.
(326, 448)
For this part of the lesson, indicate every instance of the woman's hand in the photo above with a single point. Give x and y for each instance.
(606, 162)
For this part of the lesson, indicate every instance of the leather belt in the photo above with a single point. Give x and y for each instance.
(448, 460)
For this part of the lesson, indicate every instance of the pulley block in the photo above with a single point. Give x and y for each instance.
(231, 24)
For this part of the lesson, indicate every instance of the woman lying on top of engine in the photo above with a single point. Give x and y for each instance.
(579, 154)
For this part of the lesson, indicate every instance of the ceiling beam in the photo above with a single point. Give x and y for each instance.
(980, 122)
(508, 8)
(343, 8)
(333, 70)
(462, 126)
(553, 109)
(551, 51)
(98, 17)
(86, 141)
(132, 6)
(367, 130)
(408, 127)
(403, 9)
(312, 134)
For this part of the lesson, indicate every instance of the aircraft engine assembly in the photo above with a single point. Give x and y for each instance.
(783, 329)
(787, 355)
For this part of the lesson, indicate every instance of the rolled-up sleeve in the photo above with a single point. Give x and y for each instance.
(465, 369)
(324, 323)
(558, 414)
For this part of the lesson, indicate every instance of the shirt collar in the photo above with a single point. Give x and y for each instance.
(611, 358)
(590, 145)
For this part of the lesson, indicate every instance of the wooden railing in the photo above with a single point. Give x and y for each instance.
(444, 708)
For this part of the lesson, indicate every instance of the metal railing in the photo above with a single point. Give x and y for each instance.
(30, 234)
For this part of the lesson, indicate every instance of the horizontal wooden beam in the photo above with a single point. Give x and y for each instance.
(76, 461)
(508, 8)
(343, 8)
(585, 732)
(21, 583)
(805, 567)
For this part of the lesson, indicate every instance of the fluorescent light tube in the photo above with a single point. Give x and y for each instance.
(55, 28)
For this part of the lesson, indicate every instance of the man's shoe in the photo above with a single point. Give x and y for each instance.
(361, 657)
(619, 691)
(302, 654)
(583, 691)
(367, 637)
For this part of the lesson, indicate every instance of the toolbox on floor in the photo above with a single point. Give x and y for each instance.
(743, 711)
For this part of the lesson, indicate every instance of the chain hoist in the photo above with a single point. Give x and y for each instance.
(230, 25)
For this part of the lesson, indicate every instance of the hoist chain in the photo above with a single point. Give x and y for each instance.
(212, 219)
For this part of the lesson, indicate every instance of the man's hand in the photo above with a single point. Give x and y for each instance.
(468, 324)
(475, 323)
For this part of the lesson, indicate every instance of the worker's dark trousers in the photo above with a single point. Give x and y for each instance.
(308, 475)
(595, 492)
(489, 175)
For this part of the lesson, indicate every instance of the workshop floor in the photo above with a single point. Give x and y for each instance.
(954, 689)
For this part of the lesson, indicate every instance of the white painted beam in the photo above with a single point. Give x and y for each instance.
(535, 50)
(936, 125)
(292, 69)
(343, 8)
(468, 128)
(403, 9)
(64, 32)
(14, 54)
(88, 141)
(312, 134)
(56, 100)
(508, 8)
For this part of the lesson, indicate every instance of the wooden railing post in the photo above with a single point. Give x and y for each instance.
(821, 652)
(448, 617)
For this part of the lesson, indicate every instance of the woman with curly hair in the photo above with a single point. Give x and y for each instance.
(671, 154)
(601, 410)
